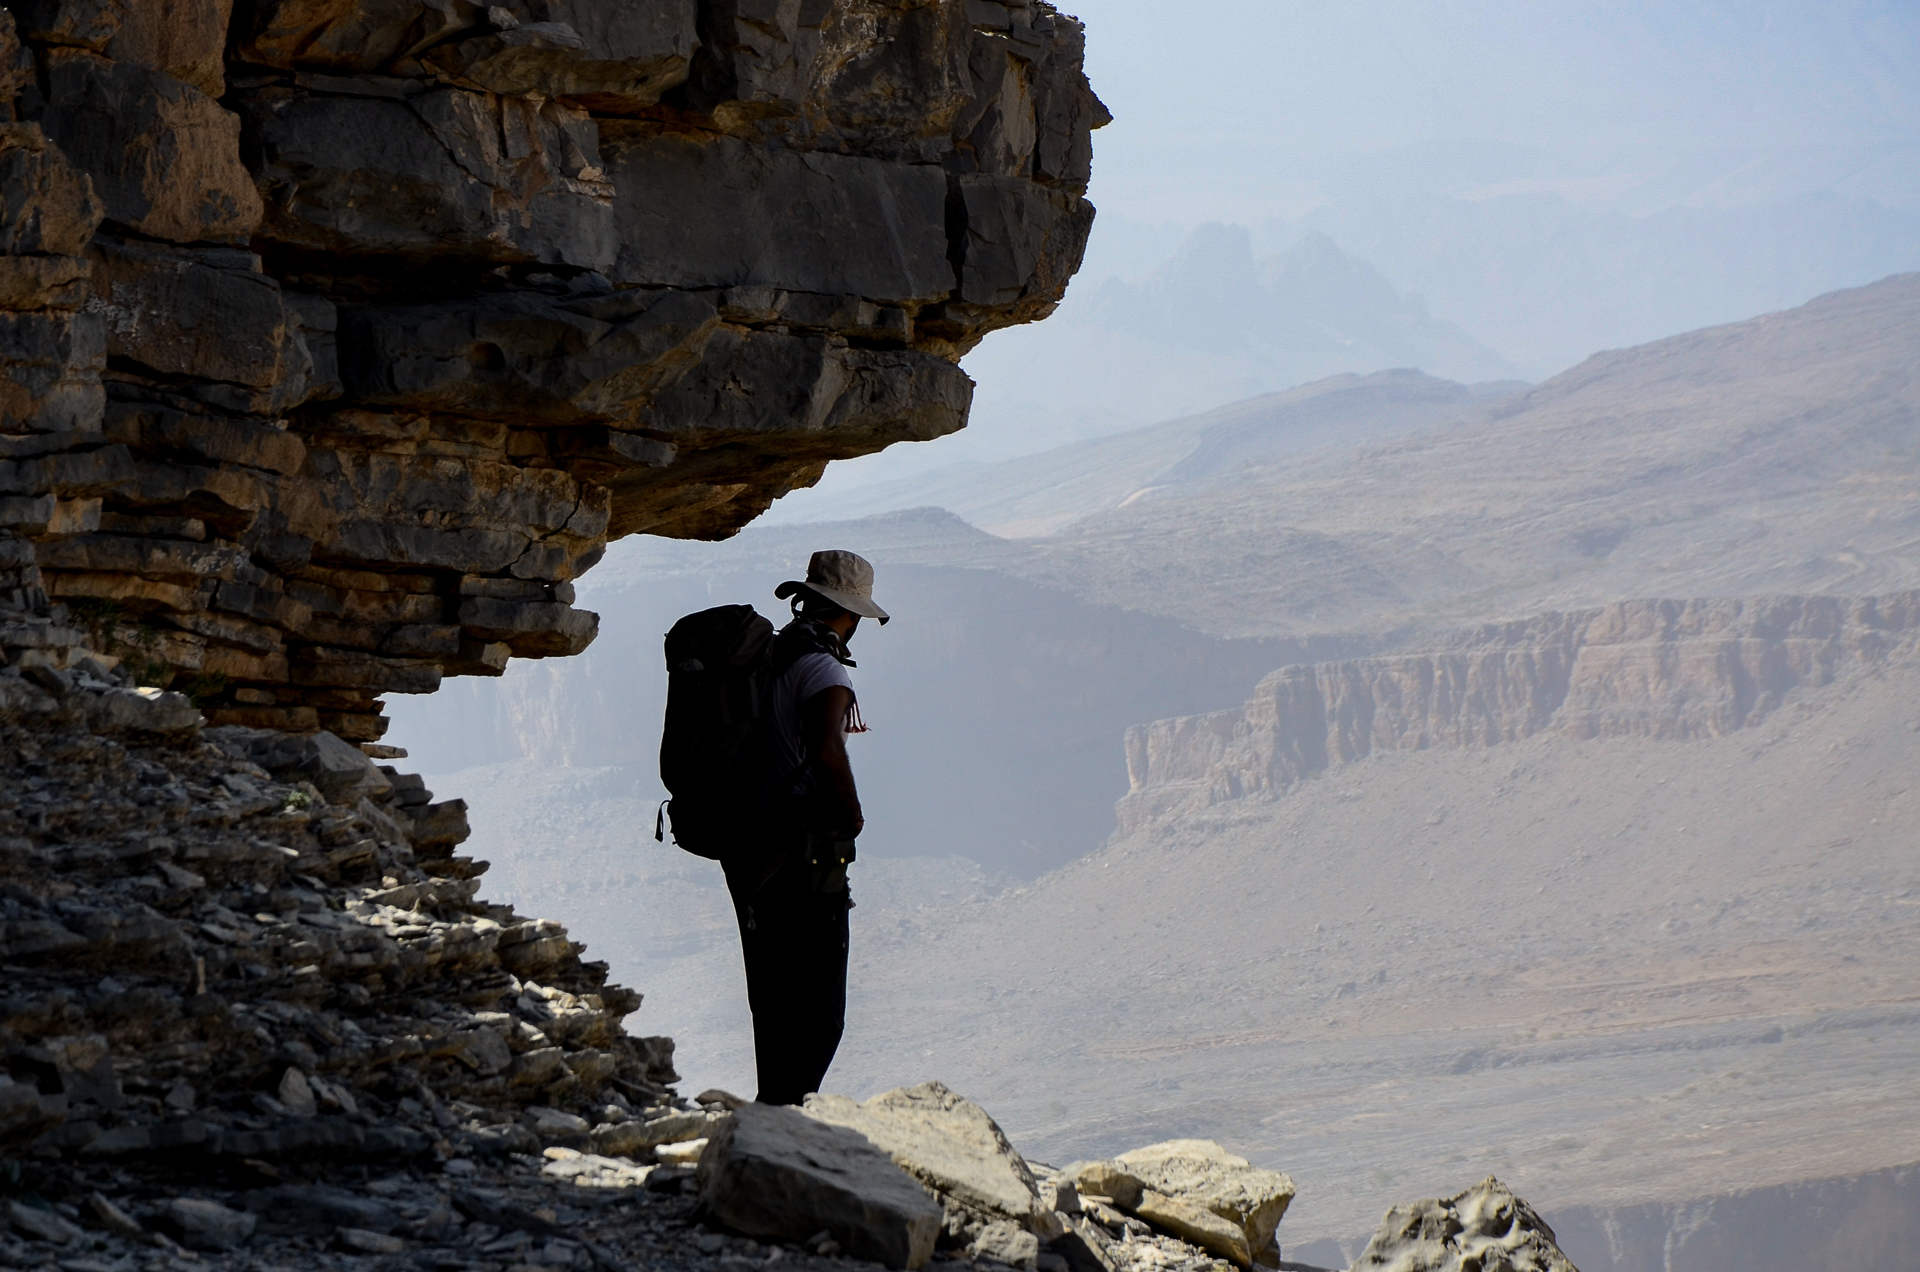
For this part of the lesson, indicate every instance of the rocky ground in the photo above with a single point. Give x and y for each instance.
(514, 1212)
(493, 1216)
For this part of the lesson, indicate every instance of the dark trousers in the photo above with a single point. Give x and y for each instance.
(792, 908)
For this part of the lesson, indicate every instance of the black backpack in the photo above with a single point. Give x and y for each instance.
(715, 757)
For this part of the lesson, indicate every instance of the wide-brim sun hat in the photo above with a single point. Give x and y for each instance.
(845, 578)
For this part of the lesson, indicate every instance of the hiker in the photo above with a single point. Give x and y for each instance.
(789, 888)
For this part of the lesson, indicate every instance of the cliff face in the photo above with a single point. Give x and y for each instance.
(337, 338)
(1652, 669)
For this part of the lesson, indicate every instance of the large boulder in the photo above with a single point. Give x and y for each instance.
(774, 1172)
(948, 1143)
(1484, 1229)
(1203, 1174)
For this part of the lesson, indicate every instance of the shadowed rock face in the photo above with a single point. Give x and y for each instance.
(337, 337)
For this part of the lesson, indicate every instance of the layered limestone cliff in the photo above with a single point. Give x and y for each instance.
(337, 337)
(1653, 669)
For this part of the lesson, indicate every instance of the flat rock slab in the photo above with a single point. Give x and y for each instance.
(1484, 1229)
(634, 1139)
(1206, 1175)
(1105, 1179)
(773, 1172)
(945, 1141)
(1003, 1242)
(1194, 1223)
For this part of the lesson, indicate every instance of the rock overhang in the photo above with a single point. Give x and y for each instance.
(341, 337)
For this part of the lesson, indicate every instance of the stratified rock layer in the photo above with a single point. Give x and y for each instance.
(1654, 669)
(337, 339)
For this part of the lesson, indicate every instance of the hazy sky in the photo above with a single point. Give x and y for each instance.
(1554, 178)
(1243, 109)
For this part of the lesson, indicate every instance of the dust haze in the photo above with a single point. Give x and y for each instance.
(1412, 673)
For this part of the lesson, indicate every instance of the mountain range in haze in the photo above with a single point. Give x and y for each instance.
(1213, 324)
(1486, 275)
(1038, 495)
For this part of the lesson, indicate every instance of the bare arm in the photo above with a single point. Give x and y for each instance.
(824, 718)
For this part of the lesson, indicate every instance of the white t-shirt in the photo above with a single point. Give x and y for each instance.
(809, 675)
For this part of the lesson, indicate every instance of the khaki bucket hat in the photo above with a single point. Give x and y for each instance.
(845, 578)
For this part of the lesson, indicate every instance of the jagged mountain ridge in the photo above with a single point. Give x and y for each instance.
(1311, 302)
(1212, 326)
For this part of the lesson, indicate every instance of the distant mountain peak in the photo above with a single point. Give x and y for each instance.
(1314, 308)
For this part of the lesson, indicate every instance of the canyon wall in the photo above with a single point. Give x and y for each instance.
(337, 337)
(1654, 669)
(1868, 1220)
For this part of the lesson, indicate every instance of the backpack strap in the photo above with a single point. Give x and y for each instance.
(802, 637)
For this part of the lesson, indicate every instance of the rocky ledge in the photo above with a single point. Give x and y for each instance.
(337, 337)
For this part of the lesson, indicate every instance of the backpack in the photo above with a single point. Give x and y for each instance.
(714, 755)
